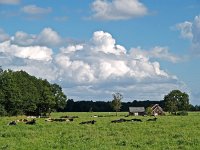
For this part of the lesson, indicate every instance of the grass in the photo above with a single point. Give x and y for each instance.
(167, 133)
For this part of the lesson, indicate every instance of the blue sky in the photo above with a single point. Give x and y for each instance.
(93, 48)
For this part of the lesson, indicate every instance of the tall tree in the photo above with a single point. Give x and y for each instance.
(176, 101)
(116, 102)
(60, 97)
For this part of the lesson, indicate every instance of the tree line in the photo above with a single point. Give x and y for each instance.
(175, 101)
(102, 106)
(21, 93)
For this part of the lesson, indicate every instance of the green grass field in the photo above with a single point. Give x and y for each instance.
(167, 133)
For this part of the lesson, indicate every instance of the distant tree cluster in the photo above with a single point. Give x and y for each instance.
(105, 106)
(87, 106)
(21, 93)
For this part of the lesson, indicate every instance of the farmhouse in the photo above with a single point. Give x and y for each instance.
(136, 111)
(157, 110)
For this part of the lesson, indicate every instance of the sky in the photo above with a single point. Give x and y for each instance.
(142, 49)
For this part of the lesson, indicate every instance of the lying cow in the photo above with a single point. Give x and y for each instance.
(69, 117)
(58, 119)
(12, 123)
(32, 122)
(120, 120)
(49, 120)
(62, 119)
(96, 116)
(88, 122)
(154, 119)
(22, 120)
(137, 120)
(31, 117)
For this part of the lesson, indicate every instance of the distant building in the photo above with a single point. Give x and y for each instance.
(157, 110)
(137, 111)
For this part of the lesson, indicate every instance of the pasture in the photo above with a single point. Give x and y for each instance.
(166, 133)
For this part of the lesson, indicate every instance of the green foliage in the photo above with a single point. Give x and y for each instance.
(21, 93)
(149, 111)
(176, 101)
(116, 102)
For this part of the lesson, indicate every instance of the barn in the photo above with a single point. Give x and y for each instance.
(137, 111)
(157, 110)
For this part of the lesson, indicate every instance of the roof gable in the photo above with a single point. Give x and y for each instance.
(156, 106)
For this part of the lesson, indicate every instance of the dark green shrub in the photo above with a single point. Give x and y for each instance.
(182, 113)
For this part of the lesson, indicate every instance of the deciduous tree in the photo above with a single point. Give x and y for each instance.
(116, 102)
(176, 101)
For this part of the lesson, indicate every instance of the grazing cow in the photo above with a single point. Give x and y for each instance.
(137, 120)
(32, 122)
(88, 122)
(12, 123)
(154, 119)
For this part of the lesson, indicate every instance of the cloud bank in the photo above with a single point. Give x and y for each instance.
(118, 9)
(92, 70)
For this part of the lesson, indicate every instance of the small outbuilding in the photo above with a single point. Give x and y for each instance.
(157, 110)
(137, 111)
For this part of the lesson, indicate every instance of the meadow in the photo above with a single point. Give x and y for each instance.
(167, 133)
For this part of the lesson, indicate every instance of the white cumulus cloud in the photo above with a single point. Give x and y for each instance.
(118, 9)
(104, 42)
(31, 52)
(47, 37)
(98, 68)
